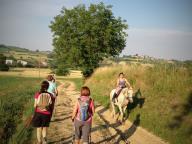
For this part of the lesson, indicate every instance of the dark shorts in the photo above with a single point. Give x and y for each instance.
(41, 120)
(82, 129)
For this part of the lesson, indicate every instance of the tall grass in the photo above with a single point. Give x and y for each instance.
(16, 108)
(167, 89)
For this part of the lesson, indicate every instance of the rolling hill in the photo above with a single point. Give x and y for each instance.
(17, 53)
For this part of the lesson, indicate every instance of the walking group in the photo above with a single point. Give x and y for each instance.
(82, 113)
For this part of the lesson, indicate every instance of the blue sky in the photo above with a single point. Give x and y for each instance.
(158, 28)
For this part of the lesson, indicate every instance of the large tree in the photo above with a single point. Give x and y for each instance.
(82, 37)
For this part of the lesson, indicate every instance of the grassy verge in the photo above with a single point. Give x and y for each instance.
(16, 108)
(78, 81)
(163, 96)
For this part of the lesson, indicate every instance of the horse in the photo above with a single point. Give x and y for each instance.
(121, 101)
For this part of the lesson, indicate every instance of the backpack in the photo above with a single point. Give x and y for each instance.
(44, 101)
(84, 109)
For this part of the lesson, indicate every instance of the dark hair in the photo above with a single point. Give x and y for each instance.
(85, 91)
(44, 86)
(53, 78)
(49, 77)
(121, 73)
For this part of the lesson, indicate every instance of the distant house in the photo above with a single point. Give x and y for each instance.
(9, 62)
(24, 63)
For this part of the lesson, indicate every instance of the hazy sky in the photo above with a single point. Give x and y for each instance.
(159, 28)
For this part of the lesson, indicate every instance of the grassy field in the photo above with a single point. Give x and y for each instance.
(18, 87)
(35, 72)
(27, 72)
(163, 97)
(16, 108)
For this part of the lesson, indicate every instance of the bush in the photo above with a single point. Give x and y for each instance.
(4, 67)
(29, 66)
(87, 72)
(62, 71)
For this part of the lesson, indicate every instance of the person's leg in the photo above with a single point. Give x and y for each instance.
(52, 107)
(39, 134)
(77, 125)
(117, 92)
(86, 131)
(77, 141)
(44, 134)
(114, 96)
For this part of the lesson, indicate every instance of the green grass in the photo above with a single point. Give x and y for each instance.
(167, 91)
(16, 108)
(78, 82)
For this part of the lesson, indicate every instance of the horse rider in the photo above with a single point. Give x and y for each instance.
(122, 82)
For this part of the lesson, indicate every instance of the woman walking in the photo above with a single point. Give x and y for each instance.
(42, 114)
(82, 116)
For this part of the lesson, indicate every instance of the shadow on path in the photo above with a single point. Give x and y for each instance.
(119, 134)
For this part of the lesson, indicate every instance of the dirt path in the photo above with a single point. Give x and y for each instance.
(104, 130)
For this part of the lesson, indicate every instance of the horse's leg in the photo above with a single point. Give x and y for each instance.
(130, 95)
(121, 112)
(124, 109)
(113, 109)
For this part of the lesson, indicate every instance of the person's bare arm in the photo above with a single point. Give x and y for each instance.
(93, 107)
(74, 112)
(35, 103)
(128, 84)
(56, 91)
(117, 83)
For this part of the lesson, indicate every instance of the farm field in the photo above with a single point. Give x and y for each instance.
(35, 72)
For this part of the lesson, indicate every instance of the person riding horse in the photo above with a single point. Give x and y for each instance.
(121, 83)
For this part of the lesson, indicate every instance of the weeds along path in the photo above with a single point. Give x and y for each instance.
(105, 130)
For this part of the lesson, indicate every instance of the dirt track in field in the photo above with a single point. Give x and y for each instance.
(105, 130)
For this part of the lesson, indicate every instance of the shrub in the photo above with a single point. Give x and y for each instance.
(4, 67)
(62, 71)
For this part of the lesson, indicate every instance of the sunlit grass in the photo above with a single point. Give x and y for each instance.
(166, 89)
(16, 107)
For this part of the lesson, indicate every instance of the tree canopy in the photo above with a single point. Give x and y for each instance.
(82, 37)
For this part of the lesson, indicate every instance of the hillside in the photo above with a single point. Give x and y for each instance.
(4, 48)
(163, 97)
(17, 53)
